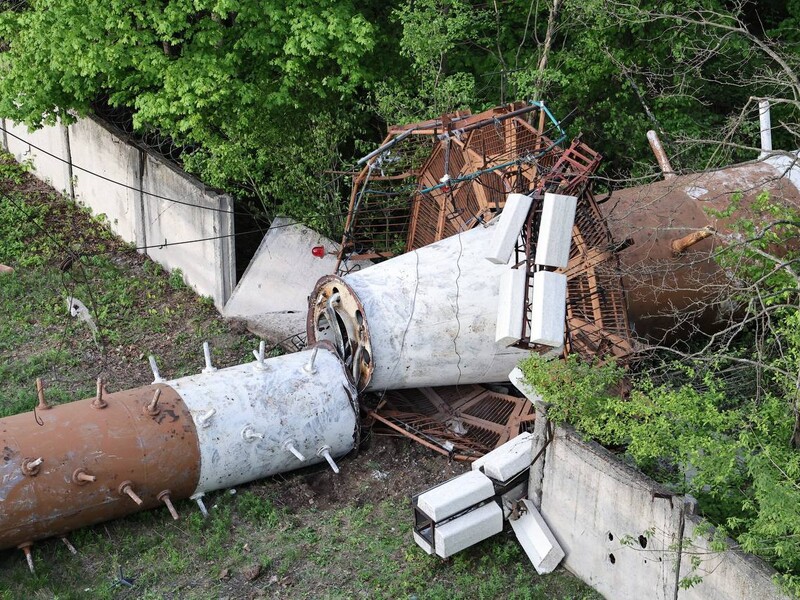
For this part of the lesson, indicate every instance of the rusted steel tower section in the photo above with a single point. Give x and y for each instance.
(77, 464)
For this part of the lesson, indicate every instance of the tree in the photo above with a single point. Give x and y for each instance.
(248, 87)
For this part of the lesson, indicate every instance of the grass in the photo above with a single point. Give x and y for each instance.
(355, 545)
(342, 552)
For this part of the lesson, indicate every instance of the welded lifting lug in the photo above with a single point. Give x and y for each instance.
(40, 394)
(289, 446)
(325, 452)
(26, 548)
(69, 546)
(126, 489)
(198, 497)
(154, 367)
(251, 435)
(165, 498)
(81, 477)
(151, 409)
(205, 419)
(30, 466)
(309, 366)
(259, 354)
(207, 355)
(98, 401)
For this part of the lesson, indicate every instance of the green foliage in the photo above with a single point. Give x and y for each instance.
(240, 83)
(732, 444)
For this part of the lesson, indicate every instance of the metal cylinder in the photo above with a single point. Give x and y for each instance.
(259, 406)
(75, 465)
(76, 442)
(424, 318)
(675, 227)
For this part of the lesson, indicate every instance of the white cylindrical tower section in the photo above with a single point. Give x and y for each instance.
(424, 318)
(257, 419)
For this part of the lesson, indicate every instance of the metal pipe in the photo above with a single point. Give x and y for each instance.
(660, 154)
(384, 147)
(154, 367)
(765, 121)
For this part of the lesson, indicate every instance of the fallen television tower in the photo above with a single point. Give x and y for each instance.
(427, 317)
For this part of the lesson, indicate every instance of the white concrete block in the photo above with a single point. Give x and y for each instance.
(510, 307)
(423, 543)
(548, 308)
(537, 540)
(455, 495)
(555, 230)
(468, 529)
(507, 231)
(510, 459)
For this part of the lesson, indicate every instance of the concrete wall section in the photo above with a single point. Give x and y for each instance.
(111, 176)
(47, 149)
(619, 529)
(282, 272)
(99, 161)
(178, 209)
(730, 575)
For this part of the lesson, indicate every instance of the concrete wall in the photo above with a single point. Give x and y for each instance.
(145, 200)
(624, 534)
(208, 266)
(47, 150)
(99, 159)
(619, 529)
(730, 575)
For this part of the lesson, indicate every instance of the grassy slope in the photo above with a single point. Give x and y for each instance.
(308, 534)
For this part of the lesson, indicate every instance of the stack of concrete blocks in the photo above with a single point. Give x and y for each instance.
(462, 513)
(472, 507)
(504, 465)
(549, 292)
(548, 304)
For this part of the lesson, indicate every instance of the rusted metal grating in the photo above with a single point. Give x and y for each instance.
(464, 422)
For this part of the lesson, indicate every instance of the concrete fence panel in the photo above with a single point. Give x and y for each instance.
(101, 162)
(189, 227)
(47, 150)
(145, 200)
(729, 575)
(619, 530)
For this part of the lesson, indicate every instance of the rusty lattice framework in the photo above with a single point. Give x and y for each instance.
(434, 179)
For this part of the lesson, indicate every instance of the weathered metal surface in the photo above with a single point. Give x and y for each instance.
(248, 416)
(87, 454)
(335, 315)
(669, 293)
(463, 422)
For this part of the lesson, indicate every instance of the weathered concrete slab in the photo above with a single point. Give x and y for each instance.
(548, 308)
(455, 495)
(510, 459)
(729, 575)
(555, 230)
(537, 540)
(510, 307)
(507, 231)
(469, 529)
(282, 272)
